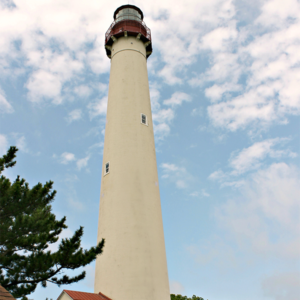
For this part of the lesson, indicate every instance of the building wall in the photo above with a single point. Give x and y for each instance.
(64, 296)
(133, 265)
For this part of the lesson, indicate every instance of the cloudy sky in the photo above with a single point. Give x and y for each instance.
(224, 82)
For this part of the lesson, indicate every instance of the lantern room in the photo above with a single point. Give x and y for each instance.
(128, 21)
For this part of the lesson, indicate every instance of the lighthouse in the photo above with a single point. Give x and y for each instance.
(133, 265)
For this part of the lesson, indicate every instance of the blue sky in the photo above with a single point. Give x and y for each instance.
(224, 82)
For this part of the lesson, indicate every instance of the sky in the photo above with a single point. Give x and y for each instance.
(224, 83)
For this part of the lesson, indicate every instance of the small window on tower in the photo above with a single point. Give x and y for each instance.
(106, 168)
(144, 119)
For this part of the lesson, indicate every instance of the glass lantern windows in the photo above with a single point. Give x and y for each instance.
(128, 14)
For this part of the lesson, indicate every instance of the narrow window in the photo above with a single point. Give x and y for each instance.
(144, 119)
(106, 168)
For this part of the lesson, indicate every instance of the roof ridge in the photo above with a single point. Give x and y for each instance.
(104, 296)
(81, 292)
(77, 295)
(5, 294)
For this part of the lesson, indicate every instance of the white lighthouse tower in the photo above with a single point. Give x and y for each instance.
(133, 265)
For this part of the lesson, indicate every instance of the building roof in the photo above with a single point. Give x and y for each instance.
(84, 296)
(5, 295)
(128, 6)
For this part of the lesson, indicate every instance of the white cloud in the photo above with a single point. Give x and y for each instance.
(81, 163)
(177, 98)
(176, 287)
(216, 91)
(44, 84)
(171, 167)
(225, 70)
(21, 144)
(74, 203)
(154, 96)
(161, 130)
(98, 108)
(264, 220)
(277, 13)
(249, 158)
(181, 41)
(177, 175)
(205, 26)
(51, 72)
(102, 87)
(5, 106)
(216, 38)
(74, 115)
(213, 252)
(282, 286)
(162, 117)
(82, 90)
(71, 193)
(204, 193)
(96, 58)
(181, 183)
(54, 49)
(271, 90)
(197, 194)
(197, 111)
(3, 144)
(194, 194)
(258, 225)
(232, 183)
(67, 157)
(217, 175)
(242, 111)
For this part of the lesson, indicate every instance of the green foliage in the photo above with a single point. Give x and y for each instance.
(180, 297)
(27, 228)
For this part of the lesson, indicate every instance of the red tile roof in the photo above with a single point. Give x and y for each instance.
(86, 296)
(5, 295)
(104, 297)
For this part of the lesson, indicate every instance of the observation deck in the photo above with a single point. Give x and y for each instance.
(128, 21)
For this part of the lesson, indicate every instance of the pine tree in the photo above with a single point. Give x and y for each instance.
(27, 228)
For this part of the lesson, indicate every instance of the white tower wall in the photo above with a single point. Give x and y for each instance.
(133, 265)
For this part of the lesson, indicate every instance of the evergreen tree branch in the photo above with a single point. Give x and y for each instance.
(7, 160)
(27, 228)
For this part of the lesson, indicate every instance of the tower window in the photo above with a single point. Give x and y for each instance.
(106, 168)
(144, 119)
